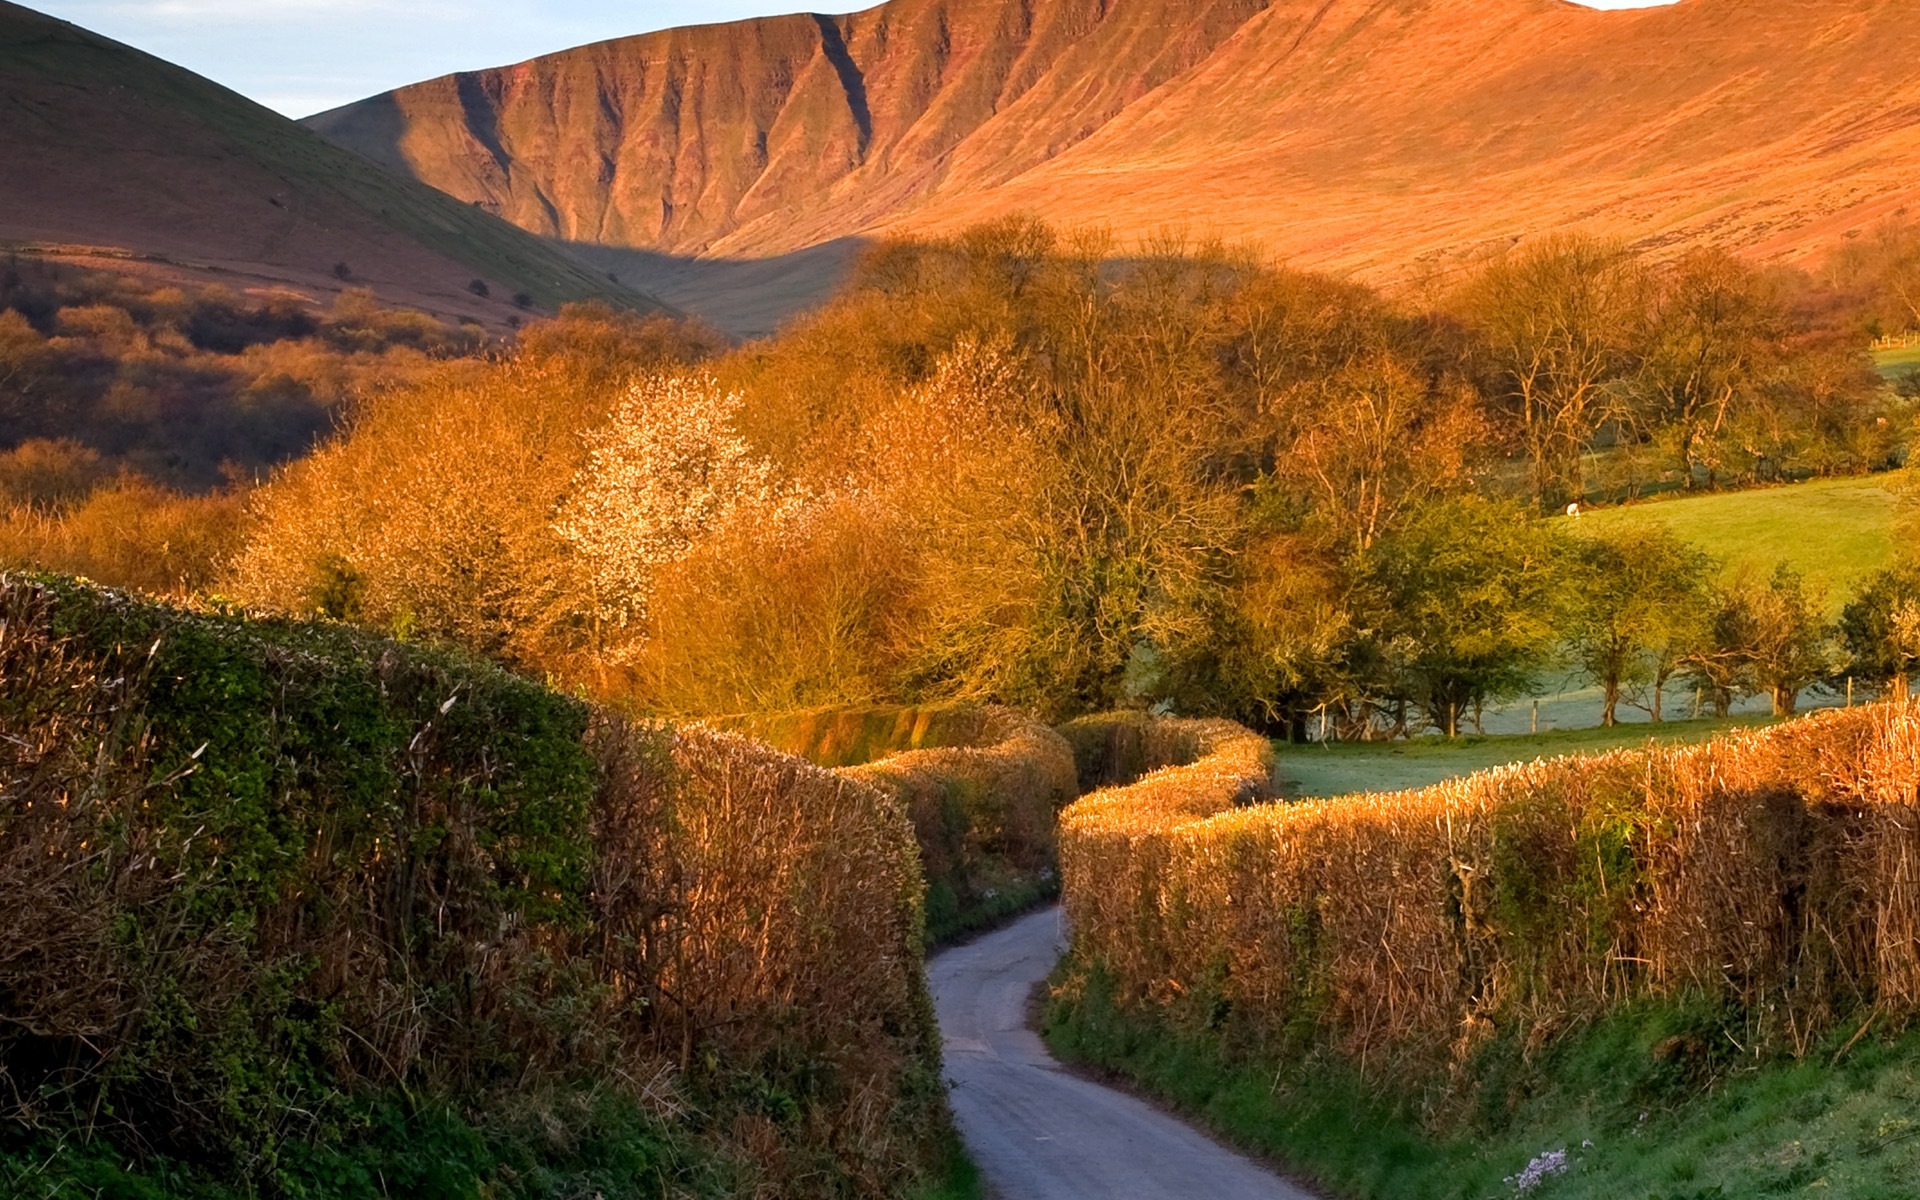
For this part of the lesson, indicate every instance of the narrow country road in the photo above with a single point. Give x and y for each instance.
(1041, 1133)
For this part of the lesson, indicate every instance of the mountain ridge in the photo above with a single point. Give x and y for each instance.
(1379, 137)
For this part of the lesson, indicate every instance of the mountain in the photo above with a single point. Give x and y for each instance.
(111, 155)
(1378, 136)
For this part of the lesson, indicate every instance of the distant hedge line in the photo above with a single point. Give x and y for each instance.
(1775, 873)
(270, 890)
(982, 785)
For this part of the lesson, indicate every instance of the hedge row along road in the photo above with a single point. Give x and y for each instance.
(1039, 1132)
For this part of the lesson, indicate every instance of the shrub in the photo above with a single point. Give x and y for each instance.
(129, 533)
(47, 474)
(264, 882)
(1765, 872)
(983, 787)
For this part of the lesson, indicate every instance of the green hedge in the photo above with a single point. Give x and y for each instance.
(260, 878)
(288, 909)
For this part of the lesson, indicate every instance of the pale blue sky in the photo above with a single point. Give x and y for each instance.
(302, 56)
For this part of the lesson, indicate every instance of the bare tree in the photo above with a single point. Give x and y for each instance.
(1559, 322)
(1715, 327)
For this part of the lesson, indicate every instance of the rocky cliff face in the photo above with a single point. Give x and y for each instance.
(1367, 134)
(779, 133)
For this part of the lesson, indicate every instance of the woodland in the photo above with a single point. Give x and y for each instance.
(1011, 466)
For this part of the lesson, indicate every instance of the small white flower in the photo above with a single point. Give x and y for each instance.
(1544, 1167)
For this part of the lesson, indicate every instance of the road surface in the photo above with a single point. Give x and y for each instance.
(1041, 1133)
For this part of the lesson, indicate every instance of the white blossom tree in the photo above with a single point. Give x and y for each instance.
(667, 470)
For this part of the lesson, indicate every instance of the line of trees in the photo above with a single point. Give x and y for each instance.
(1021, 466)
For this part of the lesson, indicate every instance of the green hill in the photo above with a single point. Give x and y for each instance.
(1836, 532)
(110, 153)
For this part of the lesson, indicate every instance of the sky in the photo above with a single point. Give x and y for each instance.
(305, 56)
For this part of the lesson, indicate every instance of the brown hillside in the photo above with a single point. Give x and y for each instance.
(1366, 134)
(109, 155)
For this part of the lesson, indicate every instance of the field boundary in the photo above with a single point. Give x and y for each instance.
(983, 786)
(1776, 871)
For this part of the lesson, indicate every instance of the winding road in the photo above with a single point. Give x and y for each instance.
(1040, 1132)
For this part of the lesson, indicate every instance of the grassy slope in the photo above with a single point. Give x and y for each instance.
(36, 52)
(1895, 363)
(1348, 767)
(1634, 1126)
(1834, 531)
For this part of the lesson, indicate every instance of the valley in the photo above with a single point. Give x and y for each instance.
(116, 160)
(1027, 599)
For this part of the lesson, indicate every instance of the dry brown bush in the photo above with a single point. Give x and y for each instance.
(760, 619)
(1774, 871)
(48, 473)
(129, 533)
(435, 515)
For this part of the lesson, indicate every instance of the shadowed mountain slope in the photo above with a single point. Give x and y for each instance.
(1363, 134)
(109, 153)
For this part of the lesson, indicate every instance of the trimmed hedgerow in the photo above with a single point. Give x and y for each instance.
(270, 890)
(983, 786)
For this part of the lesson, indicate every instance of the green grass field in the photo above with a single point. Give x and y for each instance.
(1347, 767)
(1836, 532)
(1895, 363)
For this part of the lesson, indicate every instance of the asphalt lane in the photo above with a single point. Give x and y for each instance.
(1039, 1132)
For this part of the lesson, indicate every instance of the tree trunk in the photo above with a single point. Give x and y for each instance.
(1784, 700)
(1659, 699)
(1609, 712)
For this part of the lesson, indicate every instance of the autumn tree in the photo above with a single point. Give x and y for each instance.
(1880, 628)
(1372, 440)
(438, 503)
(1715, 332)
(1770, 639)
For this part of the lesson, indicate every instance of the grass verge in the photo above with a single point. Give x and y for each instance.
(607, 1148)
(958, 1179)
(950, 922)
(1653, 1103)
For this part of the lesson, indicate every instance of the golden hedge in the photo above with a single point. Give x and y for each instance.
(1777, 870)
